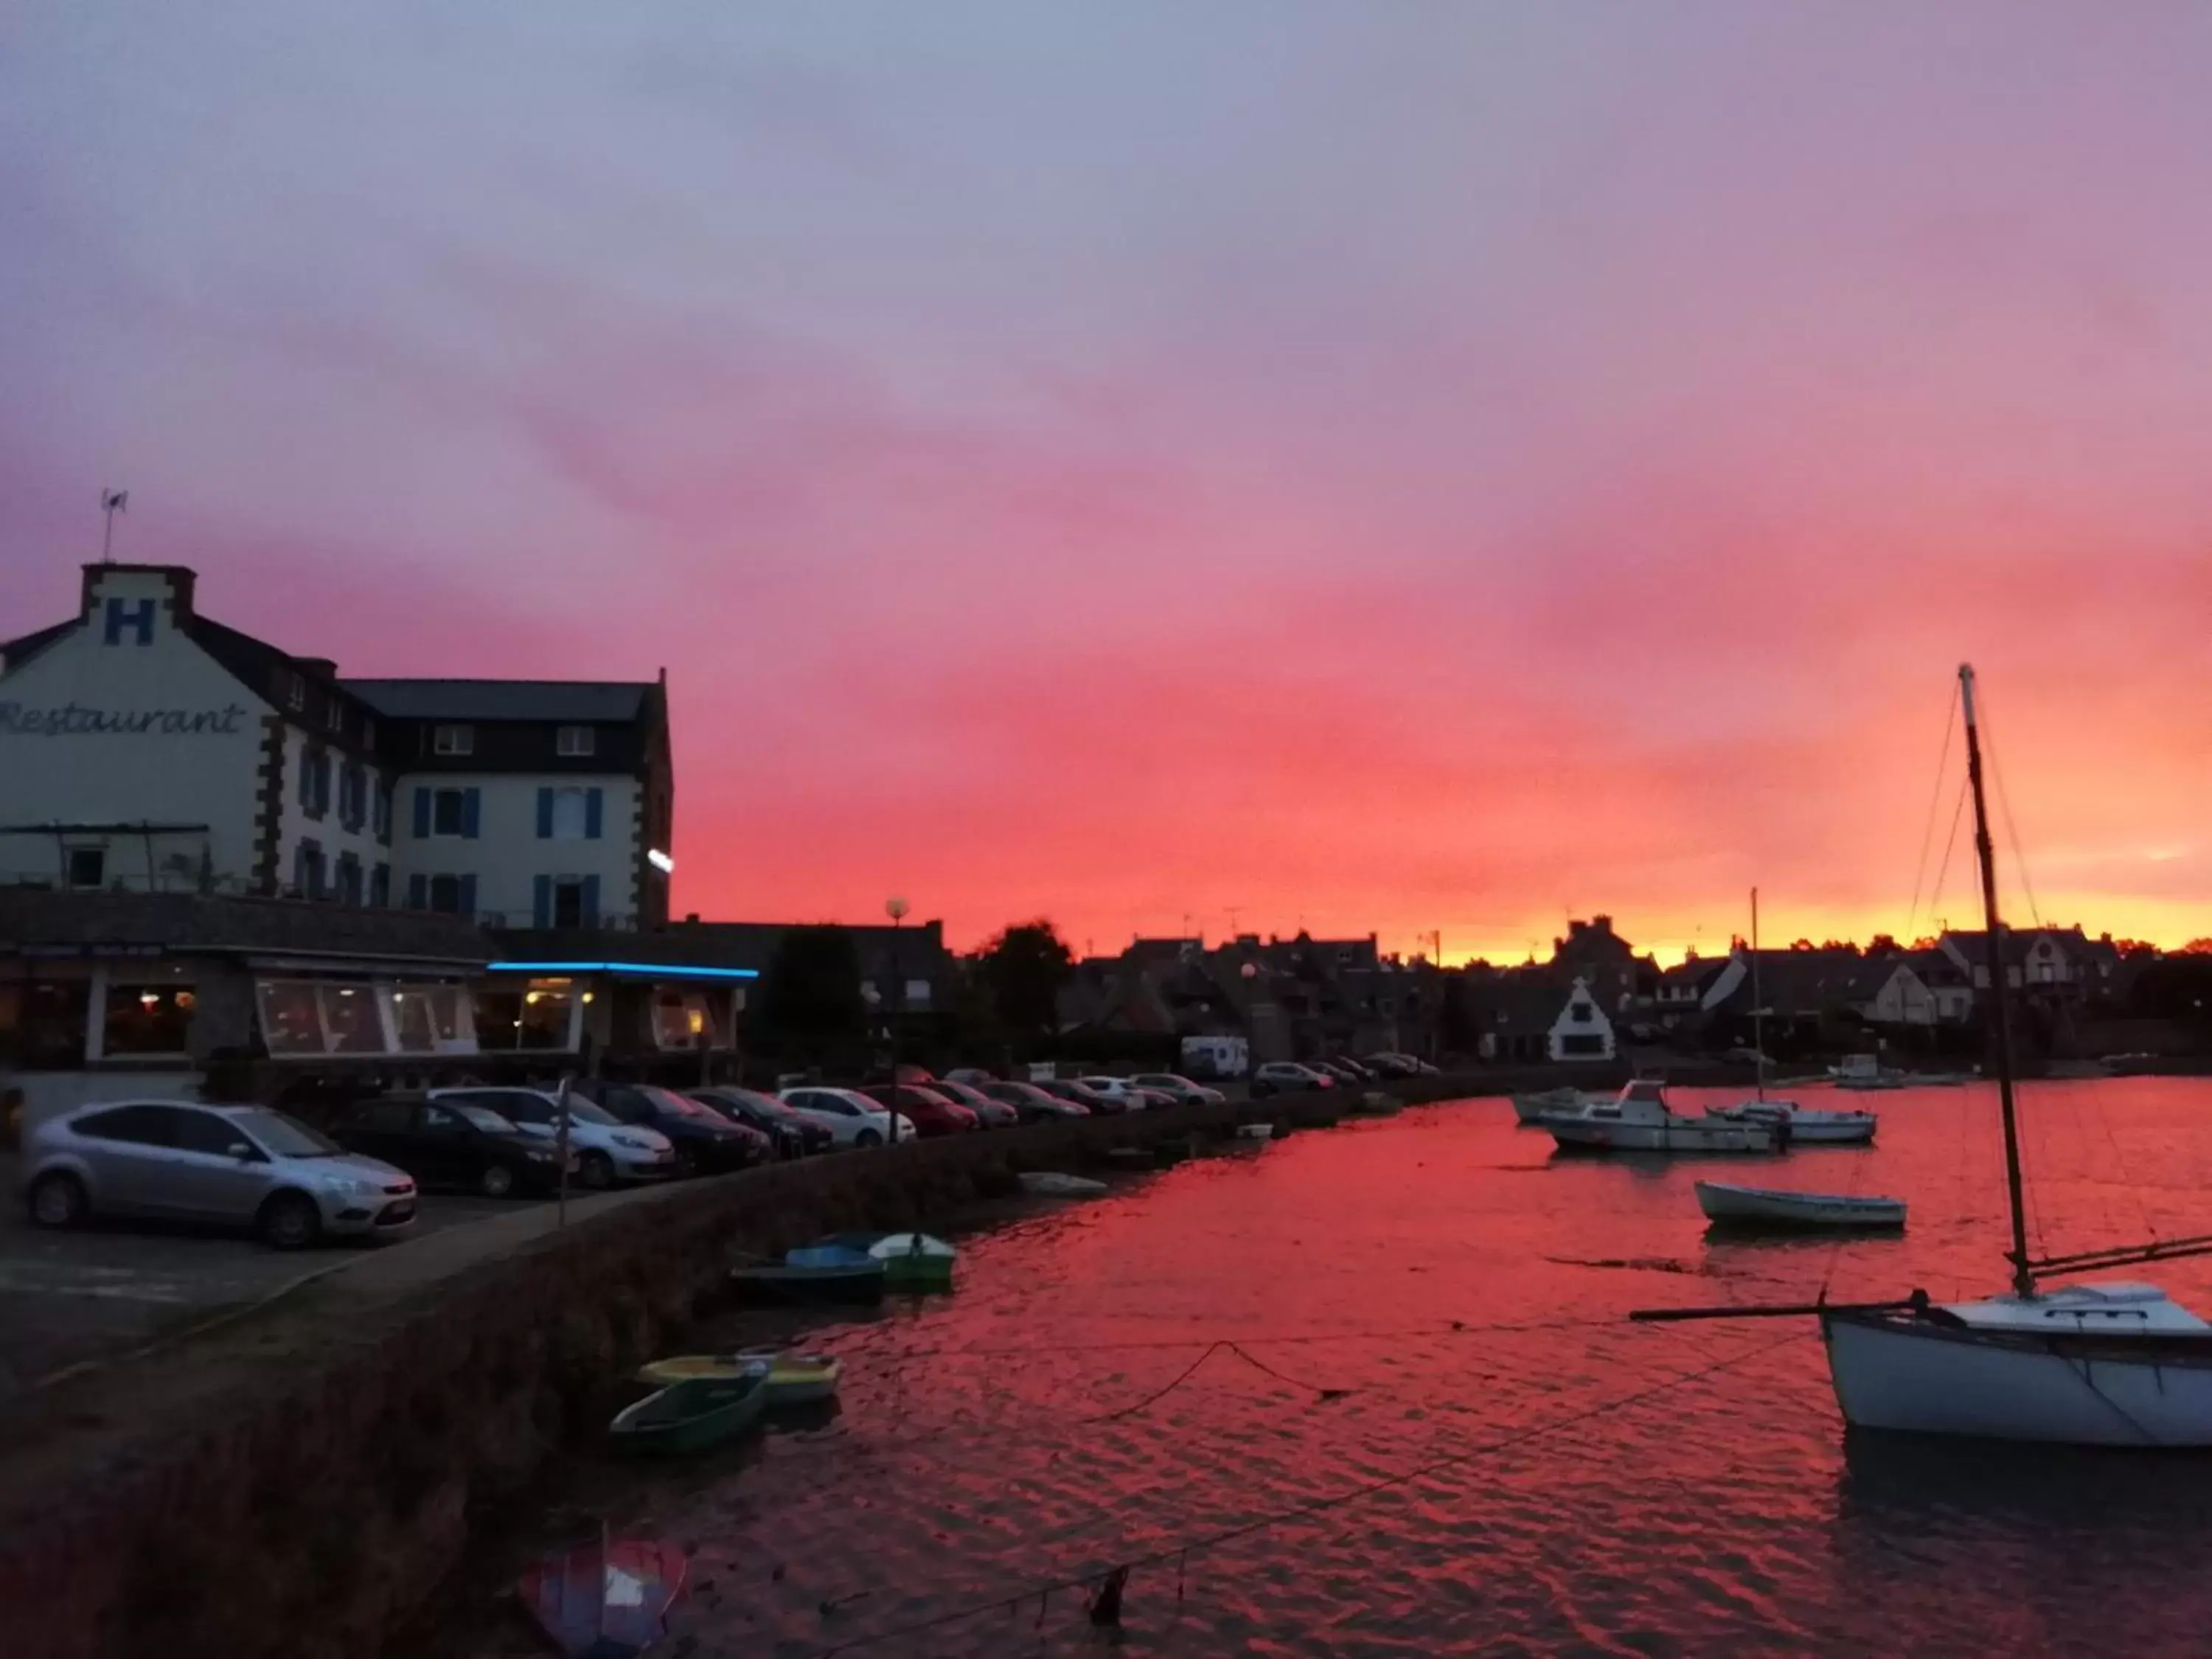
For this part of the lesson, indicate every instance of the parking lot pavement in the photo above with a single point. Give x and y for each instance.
(96, 1290)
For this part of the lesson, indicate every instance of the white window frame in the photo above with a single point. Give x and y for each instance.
(296, 694)
(575, 742)
(452, 739)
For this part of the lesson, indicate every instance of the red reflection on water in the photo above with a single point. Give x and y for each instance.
(1405, 1293)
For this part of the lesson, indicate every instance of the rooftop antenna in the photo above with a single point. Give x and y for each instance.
(111, 501)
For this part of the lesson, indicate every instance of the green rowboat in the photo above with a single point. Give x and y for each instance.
(693, 1415)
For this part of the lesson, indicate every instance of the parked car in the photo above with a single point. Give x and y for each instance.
(607, 1149)
(991, 1114)
(1279, 1077)
(1388, 1065)
(1336, 1073)
(1066, 1088)
(974, 1076)
(1033, 1103)
(451, 1143)
(1127, 1095)
(706, 1142)
(930, 1112)
(794, 1136)
(854, 1118)
(1177, 1088)
(242, 1166)
(1359, 1071)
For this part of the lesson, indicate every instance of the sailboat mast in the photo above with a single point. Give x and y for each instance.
(2023, 1281)
(1757, 1005)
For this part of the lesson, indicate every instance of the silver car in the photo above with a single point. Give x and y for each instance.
(176, 1160)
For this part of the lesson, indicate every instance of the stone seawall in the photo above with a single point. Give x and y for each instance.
(298, 1484)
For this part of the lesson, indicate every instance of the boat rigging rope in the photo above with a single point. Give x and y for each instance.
(1958, 812)
(1934, 801)
(1021, 1596)
(2004, 806)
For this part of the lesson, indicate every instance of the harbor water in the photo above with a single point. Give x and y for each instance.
(1371, 1391)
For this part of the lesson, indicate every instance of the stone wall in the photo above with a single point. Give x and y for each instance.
(299, 1487)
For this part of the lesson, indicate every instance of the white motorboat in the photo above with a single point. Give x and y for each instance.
(1864, 1072)
(1779, 1208)
(1639, 1121)
(1255, 1131)
(2110, 1365)
(1799, 1126)
(1529, 1108)
(1792, 1125)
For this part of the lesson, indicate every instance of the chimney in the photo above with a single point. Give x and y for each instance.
(317, 668)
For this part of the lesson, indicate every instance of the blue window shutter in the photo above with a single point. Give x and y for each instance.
(592, 897)
(594, 810)
(418, 892)
(471, 804)
(541, 902)
(422, 812)
(469, 896)
(545, 814)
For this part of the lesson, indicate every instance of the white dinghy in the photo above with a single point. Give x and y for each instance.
(1780, 1208)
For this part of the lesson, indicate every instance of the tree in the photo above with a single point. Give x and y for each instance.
(1022, 969)
(1881, 945)
(810, 1003)
(2196, 947)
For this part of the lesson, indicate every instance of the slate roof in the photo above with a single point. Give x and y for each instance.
(15, 652)
(51, 921)
(582, 701)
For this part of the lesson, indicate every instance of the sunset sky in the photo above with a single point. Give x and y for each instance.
(1379, 468)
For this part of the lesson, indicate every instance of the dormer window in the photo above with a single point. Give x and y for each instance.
(296, 694)
(574, 742)
(454, 740)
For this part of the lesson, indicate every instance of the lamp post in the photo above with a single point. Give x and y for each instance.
(894, 999)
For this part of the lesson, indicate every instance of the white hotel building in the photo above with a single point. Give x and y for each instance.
(144, 746)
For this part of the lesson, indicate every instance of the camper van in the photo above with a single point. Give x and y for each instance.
(1216, 1056)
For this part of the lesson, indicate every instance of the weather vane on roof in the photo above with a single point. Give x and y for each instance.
(111, 501)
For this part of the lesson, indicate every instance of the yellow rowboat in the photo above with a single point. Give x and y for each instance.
(793, 1379)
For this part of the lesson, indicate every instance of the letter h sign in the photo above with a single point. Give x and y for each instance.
(124, 617)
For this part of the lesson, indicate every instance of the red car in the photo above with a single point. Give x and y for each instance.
(930, 1113)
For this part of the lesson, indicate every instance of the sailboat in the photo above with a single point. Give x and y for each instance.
(2104, 1364)
(1792, 1125)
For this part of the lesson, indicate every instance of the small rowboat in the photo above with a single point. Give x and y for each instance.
(909, 1261)
(694, 1414)
(1375, 1102)
(852, 1280)
(793, 1379)
(1775, 1207)
(1051, 1184)
(1255, 1131)
(607, 1599)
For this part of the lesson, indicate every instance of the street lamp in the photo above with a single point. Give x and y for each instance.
(895, 908)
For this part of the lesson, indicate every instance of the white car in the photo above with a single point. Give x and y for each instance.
(607, 1150)
(1181, 1088)
(1130, 1092)
(850, 1115)
(1279, 1077)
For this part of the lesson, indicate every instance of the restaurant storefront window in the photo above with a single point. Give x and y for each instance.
(147, 1019)
(538, 1015)
(349, 1017)
(365, 1017)
(291, 1020)
(43, 1023)
(687, 1019)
